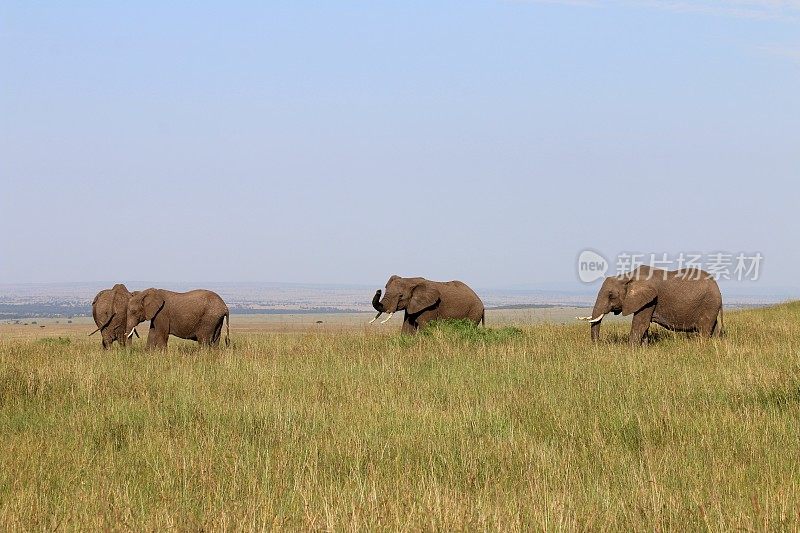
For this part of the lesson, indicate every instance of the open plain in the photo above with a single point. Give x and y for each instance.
(340, 425)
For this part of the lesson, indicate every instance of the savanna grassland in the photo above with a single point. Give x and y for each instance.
(457, 429)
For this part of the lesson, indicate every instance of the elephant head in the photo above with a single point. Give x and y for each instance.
(624, 294)
(110, 308)
(412, 295)
(144, 305)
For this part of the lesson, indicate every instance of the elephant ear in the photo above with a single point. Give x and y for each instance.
(422, 297)
(153, 303)
(119, 304)
(638, 295)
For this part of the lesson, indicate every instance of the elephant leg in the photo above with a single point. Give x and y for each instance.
(641, 322)
(206, 339)
(422, 321)
(159, 341)
(707, 327)
(217, 332)
(157, 338)
(107, 339)
(426, 317)
(409, 327)
(209, 331)
(716, 331)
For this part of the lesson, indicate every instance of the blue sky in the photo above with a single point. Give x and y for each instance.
(341, 142)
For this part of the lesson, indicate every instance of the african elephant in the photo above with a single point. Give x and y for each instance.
(679, 300)
(195, 315)
(110, 312)
(424, 300)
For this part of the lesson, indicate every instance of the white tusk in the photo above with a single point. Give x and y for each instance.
(388, 318)
(131, 333)
(590, 319)
(373, 319)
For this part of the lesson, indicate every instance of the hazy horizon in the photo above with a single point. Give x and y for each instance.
(575, 287)
(69, 300)
(487, 141)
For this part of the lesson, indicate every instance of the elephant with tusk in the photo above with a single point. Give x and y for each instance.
(195, 315)
(423, 300)
(681, 300)
(110, 313)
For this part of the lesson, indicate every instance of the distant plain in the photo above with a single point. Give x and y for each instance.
(344, 425)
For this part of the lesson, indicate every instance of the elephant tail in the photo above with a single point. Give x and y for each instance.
(483, 318)
(104, 326)
(227, 328)
(721, 327)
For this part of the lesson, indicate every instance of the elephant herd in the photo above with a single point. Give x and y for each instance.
(195, 315)
(682, 300)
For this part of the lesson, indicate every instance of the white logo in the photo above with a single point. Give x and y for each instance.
(591, 266)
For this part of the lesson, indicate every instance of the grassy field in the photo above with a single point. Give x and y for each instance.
(507, 429)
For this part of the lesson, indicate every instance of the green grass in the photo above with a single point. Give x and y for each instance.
(453, 330)
(457, 428)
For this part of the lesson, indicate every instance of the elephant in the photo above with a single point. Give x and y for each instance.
(680, 300)
(110, 312)
(195, 315)
(424, 300)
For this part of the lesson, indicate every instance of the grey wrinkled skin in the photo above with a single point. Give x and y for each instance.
(110, 313)
(195, 315)
(422, 301)
(680, 300)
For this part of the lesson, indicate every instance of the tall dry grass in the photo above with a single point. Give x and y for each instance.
(538, 429)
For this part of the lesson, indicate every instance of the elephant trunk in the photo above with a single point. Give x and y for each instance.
(596, 331)
(597, 319)
(130, 328)
(376, 301)
(128, 340)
